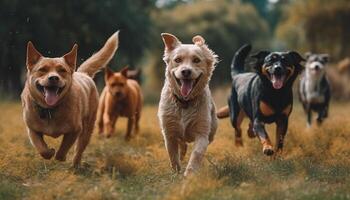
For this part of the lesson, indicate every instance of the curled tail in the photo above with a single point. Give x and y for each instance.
(223, 112)
(237, 65)
(100, 59)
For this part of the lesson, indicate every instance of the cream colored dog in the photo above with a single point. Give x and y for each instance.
(59, 101)
(186, 109)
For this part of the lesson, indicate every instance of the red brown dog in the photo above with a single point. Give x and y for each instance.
(120, 97)
(59, 101)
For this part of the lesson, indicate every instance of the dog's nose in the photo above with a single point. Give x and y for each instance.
(317, 67)
(53, 78)
(118, 94)
(186, 73)
(278, 69)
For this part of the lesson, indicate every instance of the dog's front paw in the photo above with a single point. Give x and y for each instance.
(268, 150)
(60, 157)
(189, 172)
(48, 153)
(238, 142)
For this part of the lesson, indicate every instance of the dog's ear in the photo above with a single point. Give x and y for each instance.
(108, 73)
(124, 71)
(296, 59)
(198, 40)
(71, 57)
(260, 56)
(325, 57)
(33, 56)
(307, 55)
(170, 41)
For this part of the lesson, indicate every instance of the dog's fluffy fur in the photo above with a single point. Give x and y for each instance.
(186, 109)
(120, 97)
(314, 89)
(57, 100)
(264, 97)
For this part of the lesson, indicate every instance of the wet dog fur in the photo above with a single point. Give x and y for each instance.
(121, 97)
(186, 108)
(59, 101)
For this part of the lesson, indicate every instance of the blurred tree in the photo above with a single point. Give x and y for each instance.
(318, 26)
(54, 26)
(225, 25)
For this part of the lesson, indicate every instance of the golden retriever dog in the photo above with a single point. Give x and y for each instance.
(186, 108)
(120, 97)
(58, 100)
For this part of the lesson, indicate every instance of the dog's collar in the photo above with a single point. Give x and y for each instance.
(182, 102)
(44, 113)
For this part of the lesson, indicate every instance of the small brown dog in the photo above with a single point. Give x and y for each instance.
(120, 97)
(186, 108)
(57, 100)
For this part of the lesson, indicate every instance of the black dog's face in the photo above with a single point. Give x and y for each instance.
(278, 67)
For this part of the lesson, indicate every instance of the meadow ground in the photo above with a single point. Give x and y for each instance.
(315, 164)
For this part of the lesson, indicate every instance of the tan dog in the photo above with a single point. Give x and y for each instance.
(57, 100)
(120, 97)
(186, 109)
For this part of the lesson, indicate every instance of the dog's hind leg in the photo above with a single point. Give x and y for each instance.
(250, 130)
(238, 129)
(137, 122)
(309, 117)
(236, 116)
(82, 141)
(130, 128)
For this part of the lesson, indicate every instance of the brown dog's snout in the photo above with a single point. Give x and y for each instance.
(186, 73)
(53, 78)
(119, 94)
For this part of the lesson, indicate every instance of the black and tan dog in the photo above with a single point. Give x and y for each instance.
(264, 97)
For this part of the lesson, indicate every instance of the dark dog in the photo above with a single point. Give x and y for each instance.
(135, 74)
(314, 89)
(264, 97)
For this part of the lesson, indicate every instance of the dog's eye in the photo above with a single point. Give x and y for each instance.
(196, 60)
(61, 70)
(43, 70)
(178, 60)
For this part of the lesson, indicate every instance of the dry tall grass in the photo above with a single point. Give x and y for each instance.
(315, 164)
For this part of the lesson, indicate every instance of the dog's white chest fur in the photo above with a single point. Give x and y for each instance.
(313, 89)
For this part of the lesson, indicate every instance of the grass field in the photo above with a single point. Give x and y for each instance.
(315, 164)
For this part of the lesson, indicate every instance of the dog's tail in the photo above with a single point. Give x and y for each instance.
(237, 65)
(100, 59)
(223, 112)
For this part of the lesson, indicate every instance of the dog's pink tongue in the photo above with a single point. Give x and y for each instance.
(186, 87)
(277, 82)
(51, 96)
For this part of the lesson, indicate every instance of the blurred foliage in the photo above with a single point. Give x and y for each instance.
(225, 25)
(318, 26)
(54, 26)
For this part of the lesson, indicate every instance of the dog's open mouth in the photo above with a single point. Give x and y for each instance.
(51, 93)
(277, 81)
(187, 85)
